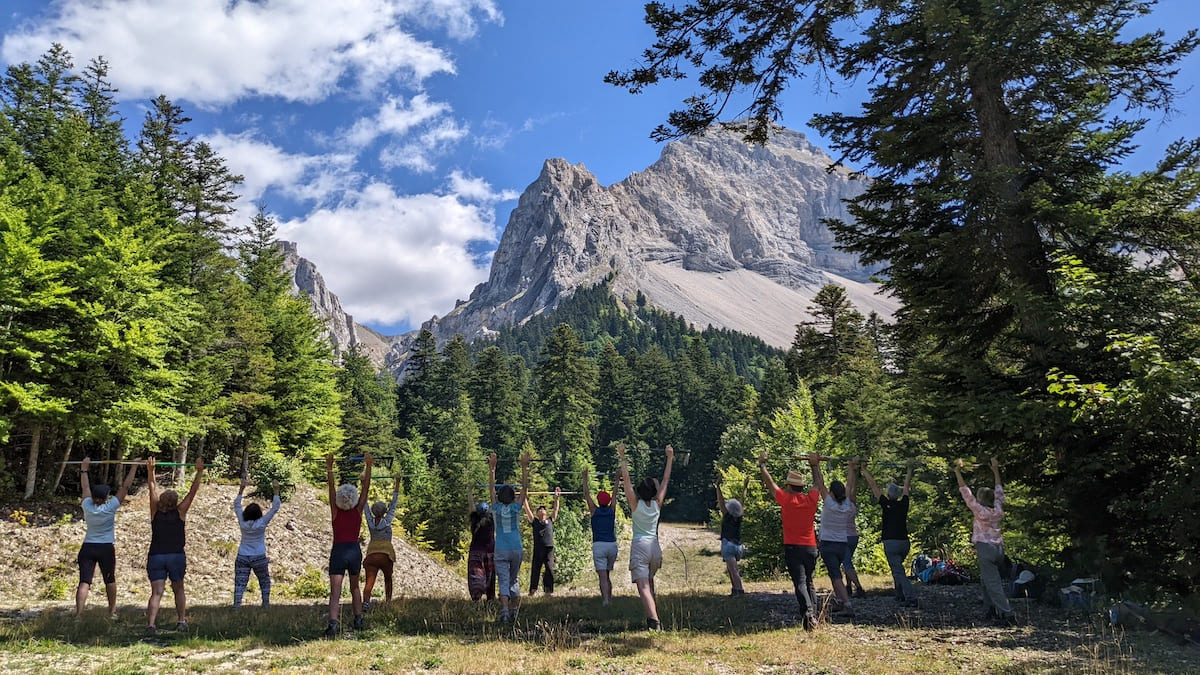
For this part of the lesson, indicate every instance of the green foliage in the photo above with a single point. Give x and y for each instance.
(572, 544)
(310, 584)
(271, 465)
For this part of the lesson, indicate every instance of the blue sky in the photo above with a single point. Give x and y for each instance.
(392, 137)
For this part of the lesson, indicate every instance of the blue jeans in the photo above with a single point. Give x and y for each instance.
(160, 566)
(896, 550)
(833, 553)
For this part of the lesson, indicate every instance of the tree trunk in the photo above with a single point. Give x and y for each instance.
(182, 458)
(104, 475)
(63, 466)
(35, 443)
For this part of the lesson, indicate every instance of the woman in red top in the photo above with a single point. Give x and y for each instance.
(799, 510)
(346, 505)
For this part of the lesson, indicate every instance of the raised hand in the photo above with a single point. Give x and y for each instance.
(492, 463)
(87, 462)
(621, 451)
(670, 452)
(150, 467)
(525, 459)
(958, 463)
(814, 459)
(275, 487)
(199, 463)
(995, 463)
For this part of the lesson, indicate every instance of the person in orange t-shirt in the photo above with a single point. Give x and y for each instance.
(798, 509)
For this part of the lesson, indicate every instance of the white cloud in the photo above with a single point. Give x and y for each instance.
(399, 258)
(314, 178)
(395, 117)
(214, 52)
(477, 189)
(419, 153)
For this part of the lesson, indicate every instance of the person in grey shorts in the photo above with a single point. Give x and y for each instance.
(604, 537)
(507, 510)
(894, 532)
(645, 552)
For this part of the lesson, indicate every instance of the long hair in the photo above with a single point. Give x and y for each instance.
(838, 489)
(647, 490)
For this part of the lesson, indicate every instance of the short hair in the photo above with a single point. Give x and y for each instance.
(100, 493)
(838, 489)
(893, 491)
(986, 496)
(252, 512)
(346, 497)
(541, 507)
(506, 494)
(647, 490)
(168, 501)
(378, 509)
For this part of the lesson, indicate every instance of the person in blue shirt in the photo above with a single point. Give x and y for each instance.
(604, 537)
(100, 514)
(507, 511)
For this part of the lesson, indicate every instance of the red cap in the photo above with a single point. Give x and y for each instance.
(603, 498)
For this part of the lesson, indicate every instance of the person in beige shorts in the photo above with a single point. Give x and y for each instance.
(645, 554)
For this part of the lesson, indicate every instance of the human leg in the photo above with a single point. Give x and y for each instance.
(991, 557)
(646, 594)
(241, 577)
(262, 572)
(852, 582)
(356, 600)
(371, 568)
(157, 588)
(387, 579)
(800, 561)
(896, 550)
(833, 553)
(548, 572)
(335, 598)
(180, 594)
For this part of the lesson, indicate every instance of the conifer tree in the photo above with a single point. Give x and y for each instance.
(566, 389)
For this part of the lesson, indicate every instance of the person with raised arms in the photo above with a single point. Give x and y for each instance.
(507, 509)
(838, 509)
(252, 550)
(346, 506)
(894, 532)
(481, 554)
(99, 544)
(604, 537)
(987, 504)
(166, 558)
(381, 555)
(732, 549)
(798, 509)
(645, 553)
(542, 526)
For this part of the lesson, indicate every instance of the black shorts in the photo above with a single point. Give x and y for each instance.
(345, 559)
(104, 555)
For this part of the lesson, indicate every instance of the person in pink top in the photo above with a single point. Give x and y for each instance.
(988, 506)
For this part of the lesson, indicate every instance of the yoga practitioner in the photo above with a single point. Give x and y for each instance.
(346, 504)
(252, 551)
(894, 532)
(381, 555)
(98, 548)
(167, 559)
(543, 545)
(854, 587)
(481, 555)
(507, 510)
(645, 553)
(798, 510)
(604, 537)
(731, 539)
(988, 506)
(837, 512)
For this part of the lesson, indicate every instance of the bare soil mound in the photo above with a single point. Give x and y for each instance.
(43, 540)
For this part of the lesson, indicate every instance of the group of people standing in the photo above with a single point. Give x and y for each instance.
(496, 550)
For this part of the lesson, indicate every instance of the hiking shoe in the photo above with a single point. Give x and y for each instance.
(151, 631)
(366, 606)
(333, 629)
(358, 622)
(653, 625)
(1007, 619)
(181, 626)
(115, 616)
(503, 615)
(843, 610)
(860, 593)
(810, 624)
(990, 614)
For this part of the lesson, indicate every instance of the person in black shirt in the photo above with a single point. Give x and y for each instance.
(895, 532)
(731, 538)
(543, 545)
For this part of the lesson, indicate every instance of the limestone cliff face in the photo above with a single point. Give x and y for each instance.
(340, 328)
(712, 209)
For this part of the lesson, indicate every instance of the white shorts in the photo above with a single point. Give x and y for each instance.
(604, 554)
(645, 557)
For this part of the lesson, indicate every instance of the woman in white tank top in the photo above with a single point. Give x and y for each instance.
(645, 554)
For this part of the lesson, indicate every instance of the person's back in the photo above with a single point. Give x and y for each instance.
(604, 524)
(837, 519)
(645, 519)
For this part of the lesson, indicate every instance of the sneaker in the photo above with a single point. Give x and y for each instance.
(810, 624)
(358, 622)
(333, 629)
(653, 625)
(151, 631)
(503, 615)
(115, 616)
(1007, 619)
(366, 606)
(843, 610)
(181, 626)
(911, 602)
(990, 614)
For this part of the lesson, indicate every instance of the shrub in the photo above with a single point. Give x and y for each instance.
(55, 589)
(572, 546)
(310, 584)
(272, 466)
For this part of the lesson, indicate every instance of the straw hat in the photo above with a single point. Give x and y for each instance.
(795, 478)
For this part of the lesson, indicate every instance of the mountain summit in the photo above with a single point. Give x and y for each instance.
(717, 231)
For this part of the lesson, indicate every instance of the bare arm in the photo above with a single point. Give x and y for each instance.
(630, 497)
(396, 495)
(814, 461)
(907, 478)
(365, 494)
(84, 486)
(662, 487)
(766, 475)
(720, 500)
(958, 463)
(852, 481)
(492, 473)
(187, 501)
(871, 482)
(152, 486)
(557, 503)
(587, 493)
(275, 503)
(996, 471)
(332, 486)
(525, 484)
